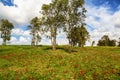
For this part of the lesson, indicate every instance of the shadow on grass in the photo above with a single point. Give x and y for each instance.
(64, 48)
(4, 51)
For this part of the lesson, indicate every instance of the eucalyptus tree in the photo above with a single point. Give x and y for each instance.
(74, 36)
(35, 29)
(83, 36)
(74, 12)
(79, 36)
(53, 19)
(5, 29)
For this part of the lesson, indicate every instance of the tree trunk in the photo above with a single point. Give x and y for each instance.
(70, 46)
(54, 43)
(54, 38)
(82, 45)
(79, 45)
(4, 42)
(37, 43)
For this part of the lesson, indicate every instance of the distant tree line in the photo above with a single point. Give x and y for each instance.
(106, 41)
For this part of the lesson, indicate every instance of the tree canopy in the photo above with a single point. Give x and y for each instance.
(5, 29)
(105, 41)
(79, 36)
(34, 31)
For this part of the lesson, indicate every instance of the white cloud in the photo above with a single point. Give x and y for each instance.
(24, 12)
(20, 41)
(20, 37)
(103, 22)
(62, 41)
(61, 38)
(17, 31)
(24, 40)
(21, 32)
(13, 40)
(26, 33)
(45, 41)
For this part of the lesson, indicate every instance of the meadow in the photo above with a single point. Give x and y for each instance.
(41, 63)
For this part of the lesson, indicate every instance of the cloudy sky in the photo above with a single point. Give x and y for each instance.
(103, 18)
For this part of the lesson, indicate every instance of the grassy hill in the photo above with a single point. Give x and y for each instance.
(41, 63)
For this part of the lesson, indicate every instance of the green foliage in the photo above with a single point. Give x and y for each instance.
(35, 27)
(78, 36)
(53, 19)
(105, 41)
(74, 13)
(5, 29)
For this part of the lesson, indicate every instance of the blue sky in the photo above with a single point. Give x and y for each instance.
(7, 2)
(102, 18)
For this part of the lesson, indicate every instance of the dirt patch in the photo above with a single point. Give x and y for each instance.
(7, 56)
(11, 55)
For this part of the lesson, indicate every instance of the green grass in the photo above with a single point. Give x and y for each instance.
(41, 63)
